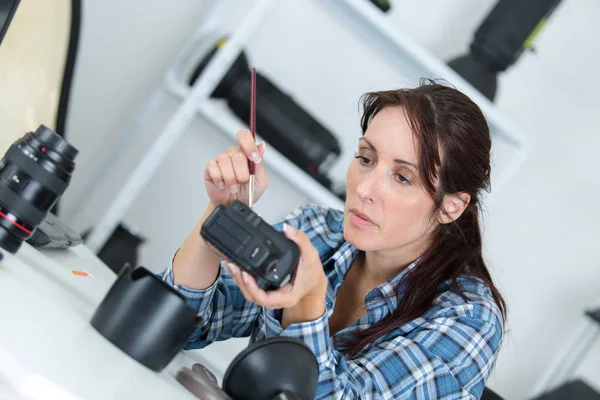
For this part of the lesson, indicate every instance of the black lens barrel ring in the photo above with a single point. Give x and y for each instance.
(33, 169)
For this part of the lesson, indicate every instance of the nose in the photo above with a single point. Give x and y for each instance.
(372, 184)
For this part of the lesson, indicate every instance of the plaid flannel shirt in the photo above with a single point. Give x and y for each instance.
(447, 353)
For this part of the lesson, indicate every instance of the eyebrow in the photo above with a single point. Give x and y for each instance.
(396, 160)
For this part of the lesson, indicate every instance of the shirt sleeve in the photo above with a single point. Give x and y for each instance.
(446, 357)
(222, 309)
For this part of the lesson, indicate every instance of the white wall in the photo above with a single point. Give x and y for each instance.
(540, 232)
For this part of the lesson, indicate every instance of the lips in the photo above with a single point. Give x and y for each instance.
(361, 218)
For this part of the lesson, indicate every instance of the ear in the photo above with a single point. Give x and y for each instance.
(453, 206)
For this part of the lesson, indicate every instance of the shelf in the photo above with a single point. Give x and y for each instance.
(363, 19)
(367, 22)
(177, 124)
(228, 124)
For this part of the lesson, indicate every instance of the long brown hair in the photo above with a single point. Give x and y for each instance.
(454, 146)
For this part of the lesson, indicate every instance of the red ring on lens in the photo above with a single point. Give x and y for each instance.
(15, 223)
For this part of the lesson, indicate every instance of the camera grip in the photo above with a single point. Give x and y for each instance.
(241, 236)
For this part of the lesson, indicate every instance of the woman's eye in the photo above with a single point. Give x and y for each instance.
(402, 179)
(363, 160)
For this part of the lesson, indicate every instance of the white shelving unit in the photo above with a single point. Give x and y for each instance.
(362, 18)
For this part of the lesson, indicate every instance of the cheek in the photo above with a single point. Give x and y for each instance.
(406, 217)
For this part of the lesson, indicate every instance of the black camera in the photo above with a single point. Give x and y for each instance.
(35, 171)
(244, 238)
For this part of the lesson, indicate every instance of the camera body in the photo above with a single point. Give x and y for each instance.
(244, 238)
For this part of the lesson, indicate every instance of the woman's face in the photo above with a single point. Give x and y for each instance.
(387, 208)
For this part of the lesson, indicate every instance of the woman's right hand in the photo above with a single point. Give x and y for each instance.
(226, 176)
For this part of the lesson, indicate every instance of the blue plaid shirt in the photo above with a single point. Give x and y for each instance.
(447, 353)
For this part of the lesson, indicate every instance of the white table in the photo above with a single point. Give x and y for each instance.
(49, 350)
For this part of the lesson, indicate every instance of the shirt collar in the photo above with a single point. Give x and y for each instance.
(342, 259)
(389, 290)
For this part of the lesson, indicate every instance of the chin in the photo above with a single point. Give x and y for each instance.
(361, 239)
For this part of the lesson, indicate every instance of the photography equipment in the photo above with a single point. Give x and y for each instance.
(276, 368)
(52, 39)
(54, 233)
(65, 93)
(68, 73)
(34, 173)
(7, 12)
(508, 30)
(244, 238)
(145, 317)
(280, 121)
(383, 5)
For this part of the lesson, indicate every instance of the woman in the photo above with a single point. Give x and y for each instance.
(391, 294)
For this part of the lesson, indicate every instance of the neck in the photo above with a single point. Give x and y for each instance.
(379, 266)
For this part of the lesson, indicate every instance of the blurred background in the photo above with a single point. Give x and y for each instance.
(130, 97)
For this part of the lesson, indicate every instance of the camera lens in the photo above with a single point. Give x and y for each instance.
(35, 171)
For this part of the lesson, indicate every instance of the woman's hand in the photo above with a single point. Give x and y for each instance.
(226, 176)
(308, 287)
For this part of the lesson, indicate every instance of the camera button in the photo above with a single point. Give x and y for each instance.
(272, 268)
(16, 179)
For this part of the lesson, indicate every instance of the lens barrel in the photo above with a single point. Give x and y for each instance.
(35, 171)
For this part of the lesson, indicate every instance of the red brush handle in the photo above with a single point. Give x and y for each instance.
(251, 165)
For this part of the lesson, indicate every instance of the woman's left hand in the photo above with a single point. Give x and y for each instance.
(309, 282)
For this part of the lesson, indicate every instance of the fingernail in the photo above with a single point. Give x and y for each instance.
(245, 276)
(264, 145)
(221, 185)
(289, 229)
(233, 188)
(255, 157)
(232, 269)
